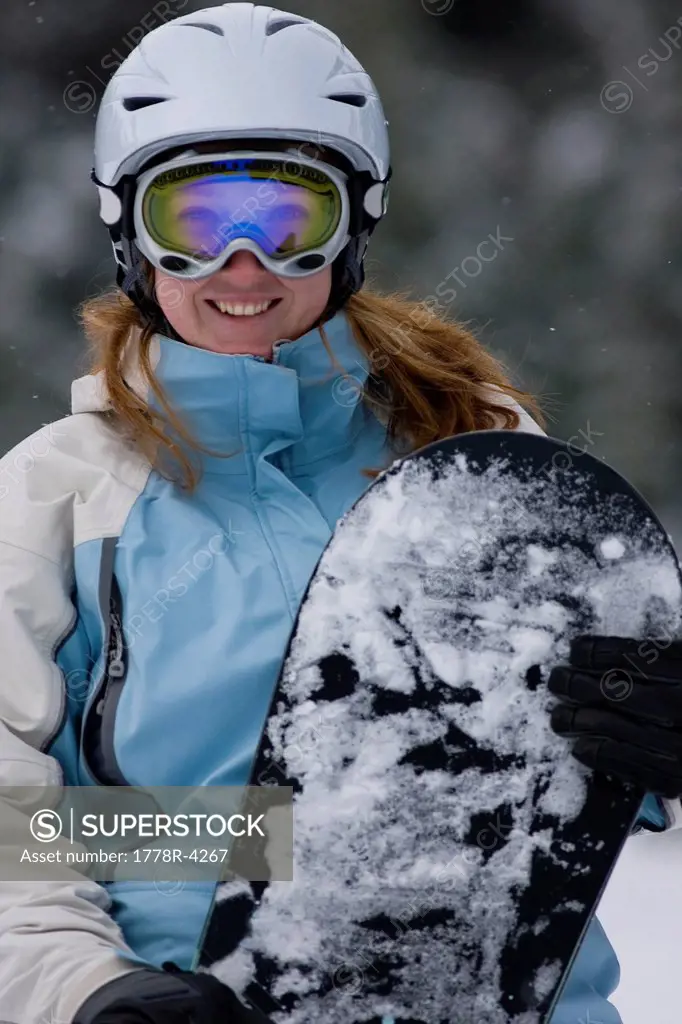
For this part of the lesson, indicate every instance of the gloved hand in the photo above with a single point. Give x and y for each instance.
(621, 700)
(151, 996)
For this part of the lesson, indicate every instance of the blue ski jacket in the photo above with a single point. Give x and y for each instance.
(95, 546)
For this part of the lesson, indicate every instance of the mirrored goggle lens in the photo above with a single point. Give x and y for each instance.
(197, 211)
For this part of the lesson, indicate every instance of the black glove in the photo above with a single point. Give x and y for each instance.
(622, 701)
(151, 996)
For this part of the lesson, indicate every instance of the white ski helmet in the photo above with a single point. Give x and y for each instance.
(240, 71)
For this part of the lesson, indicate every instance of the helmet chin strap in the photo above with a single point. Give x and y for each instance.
(134, 283)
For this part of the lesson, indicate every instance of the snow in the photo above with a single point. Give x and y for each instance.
(612, 547)
(389, 821)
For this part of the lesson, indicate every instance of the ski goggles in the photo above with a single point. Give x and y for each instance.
(192, 213)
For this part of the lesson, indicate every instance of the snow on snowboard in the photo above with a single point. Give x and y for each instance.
(449, 851)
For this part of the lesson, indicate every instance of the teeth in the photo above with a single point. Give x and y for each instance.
(243, 309)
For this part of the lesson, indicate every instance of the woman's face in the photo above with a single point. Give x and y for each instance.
(190, 306)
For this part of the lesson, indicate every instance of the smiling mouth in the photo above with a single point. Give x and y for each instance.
(249, 309)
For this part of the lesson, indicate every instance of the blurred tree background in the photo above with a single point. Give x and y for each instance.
(552, 125)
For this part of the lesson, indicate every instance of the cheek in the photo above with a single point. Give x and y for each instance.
(174, 297)
(312, 292)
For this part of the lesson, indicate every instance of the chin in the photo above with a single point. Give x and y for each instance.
(247, 346)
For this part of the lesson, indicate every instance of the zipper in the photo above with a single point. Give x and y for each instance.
(98, 729)
(116, 668)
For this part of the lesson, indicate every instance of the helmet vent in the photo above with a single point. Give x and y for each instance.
(138, 102)
(277, 24)
(351, 98)
(202, 24)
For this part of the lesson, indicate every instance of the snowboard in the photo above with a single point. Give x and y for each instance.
(449, 851)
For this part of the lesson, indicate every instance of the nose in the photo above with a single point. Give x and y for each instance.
(243, 265)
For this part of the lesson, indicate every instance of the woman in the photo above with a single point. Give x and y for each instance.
(245, 389)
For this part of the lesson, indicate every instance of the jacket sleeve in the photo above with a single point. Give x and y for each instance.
(57, 940)
(499, 397)
(658, 814)
(593, 977)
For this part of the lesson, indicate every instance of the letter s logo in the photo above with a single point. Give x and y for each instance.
(45, 826)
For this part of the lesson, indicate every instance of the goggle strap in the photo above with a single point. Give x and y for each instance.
(128, 187)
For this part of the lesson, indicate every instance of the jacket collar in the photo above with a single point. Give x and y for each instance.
(243, 404)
